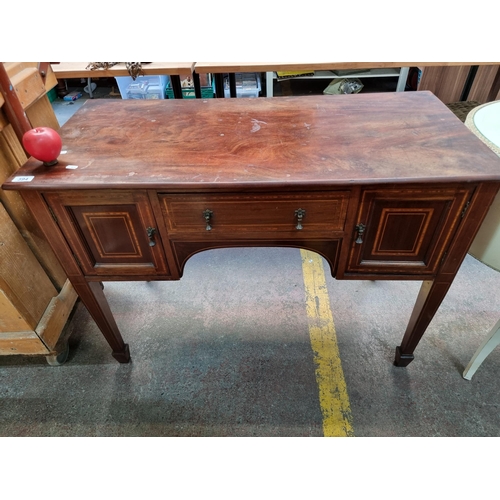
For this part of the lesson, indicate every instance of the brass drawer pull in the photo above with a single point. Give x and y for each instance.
(360, 228)
(151, 235)
(208, 215)
(300, 214)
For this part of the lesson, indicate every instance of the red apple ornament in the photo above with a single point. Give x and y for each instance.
(44, 144)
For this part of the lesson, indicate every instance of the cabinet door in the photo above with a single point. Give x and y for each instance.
(405, 231)
(110, 232)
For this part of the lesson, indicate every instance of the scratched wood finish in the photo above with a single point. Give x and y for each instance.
(403, 163)
(244, 143)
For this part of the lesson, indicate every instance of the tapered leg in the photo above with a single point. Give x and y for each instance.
(95, 301)
(489, 343)
(428, 301)
(434, 291)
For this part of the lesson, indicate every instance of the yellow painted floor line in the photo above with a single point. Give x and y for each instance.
(334, 400)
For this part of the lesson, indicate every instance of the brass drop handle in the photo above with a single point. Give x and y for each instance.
(300, 214)
(360, 228)
(151, 235)
(208, 215)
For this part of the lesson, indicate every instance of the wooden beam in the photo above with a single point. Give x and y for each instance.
(79, 69)
(52, 322)
(12, 106)
(22, 343)
(49, 81)
(28, 85)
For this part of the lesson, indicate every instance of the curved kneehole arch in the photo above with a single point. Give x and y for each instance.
(184, 250)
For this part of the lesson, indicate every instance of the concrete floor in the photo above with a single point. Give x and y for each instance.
(226, 351)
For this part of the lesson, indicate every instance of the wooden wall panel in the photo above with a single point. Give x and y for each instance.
(12, 156)
(483, 84)
(494, 94)
(41, 114)
(28, 85)
(22, 279)
(32, 313)
(10, 319)
(445, 82)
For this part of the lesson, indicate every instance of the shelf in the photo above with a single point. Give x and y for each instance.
(400, 73)
(370, 73)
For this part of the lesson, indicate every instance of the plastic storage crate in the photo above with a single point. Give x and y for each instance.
(143, 87)
(206, 84)
(52, 94)
(247, 85)
(188, 92)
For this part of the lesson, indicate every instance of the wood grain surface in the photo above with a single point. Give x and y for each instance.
(239, 143)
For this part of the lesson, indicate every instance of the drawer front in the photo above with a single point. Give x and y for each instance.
(238, 215)
(111, 233)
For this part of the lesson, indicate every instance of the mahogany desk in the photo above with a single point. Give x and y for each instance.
(383, 186)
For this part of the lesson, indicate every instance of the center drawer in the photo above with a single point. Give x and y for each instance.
(241, 214)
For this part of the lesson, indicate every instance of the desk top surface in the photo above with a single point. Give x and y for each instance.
(314, 141)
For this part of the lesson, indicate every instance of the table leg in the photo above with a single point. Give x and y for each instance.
(432, 292)
(90, 293)
(403, 76)
(219, 85)
(232, 85)
(428, 301)
(197, 85)
(175, 81)
(89, 83)
(92, 296)
(269, 83)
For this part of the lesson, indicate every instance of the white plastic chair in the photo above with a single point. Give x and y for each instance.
(491, 341)
(484, 121)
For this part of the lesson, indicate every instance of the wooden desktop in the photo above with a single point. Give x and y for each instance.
(383, 186)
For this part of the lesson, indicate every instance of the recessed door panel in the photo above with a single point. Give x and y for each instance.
(110, 233)
(405, 231)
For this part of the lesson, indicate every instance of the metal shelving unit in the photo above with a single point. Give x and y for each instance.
(401, 73)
